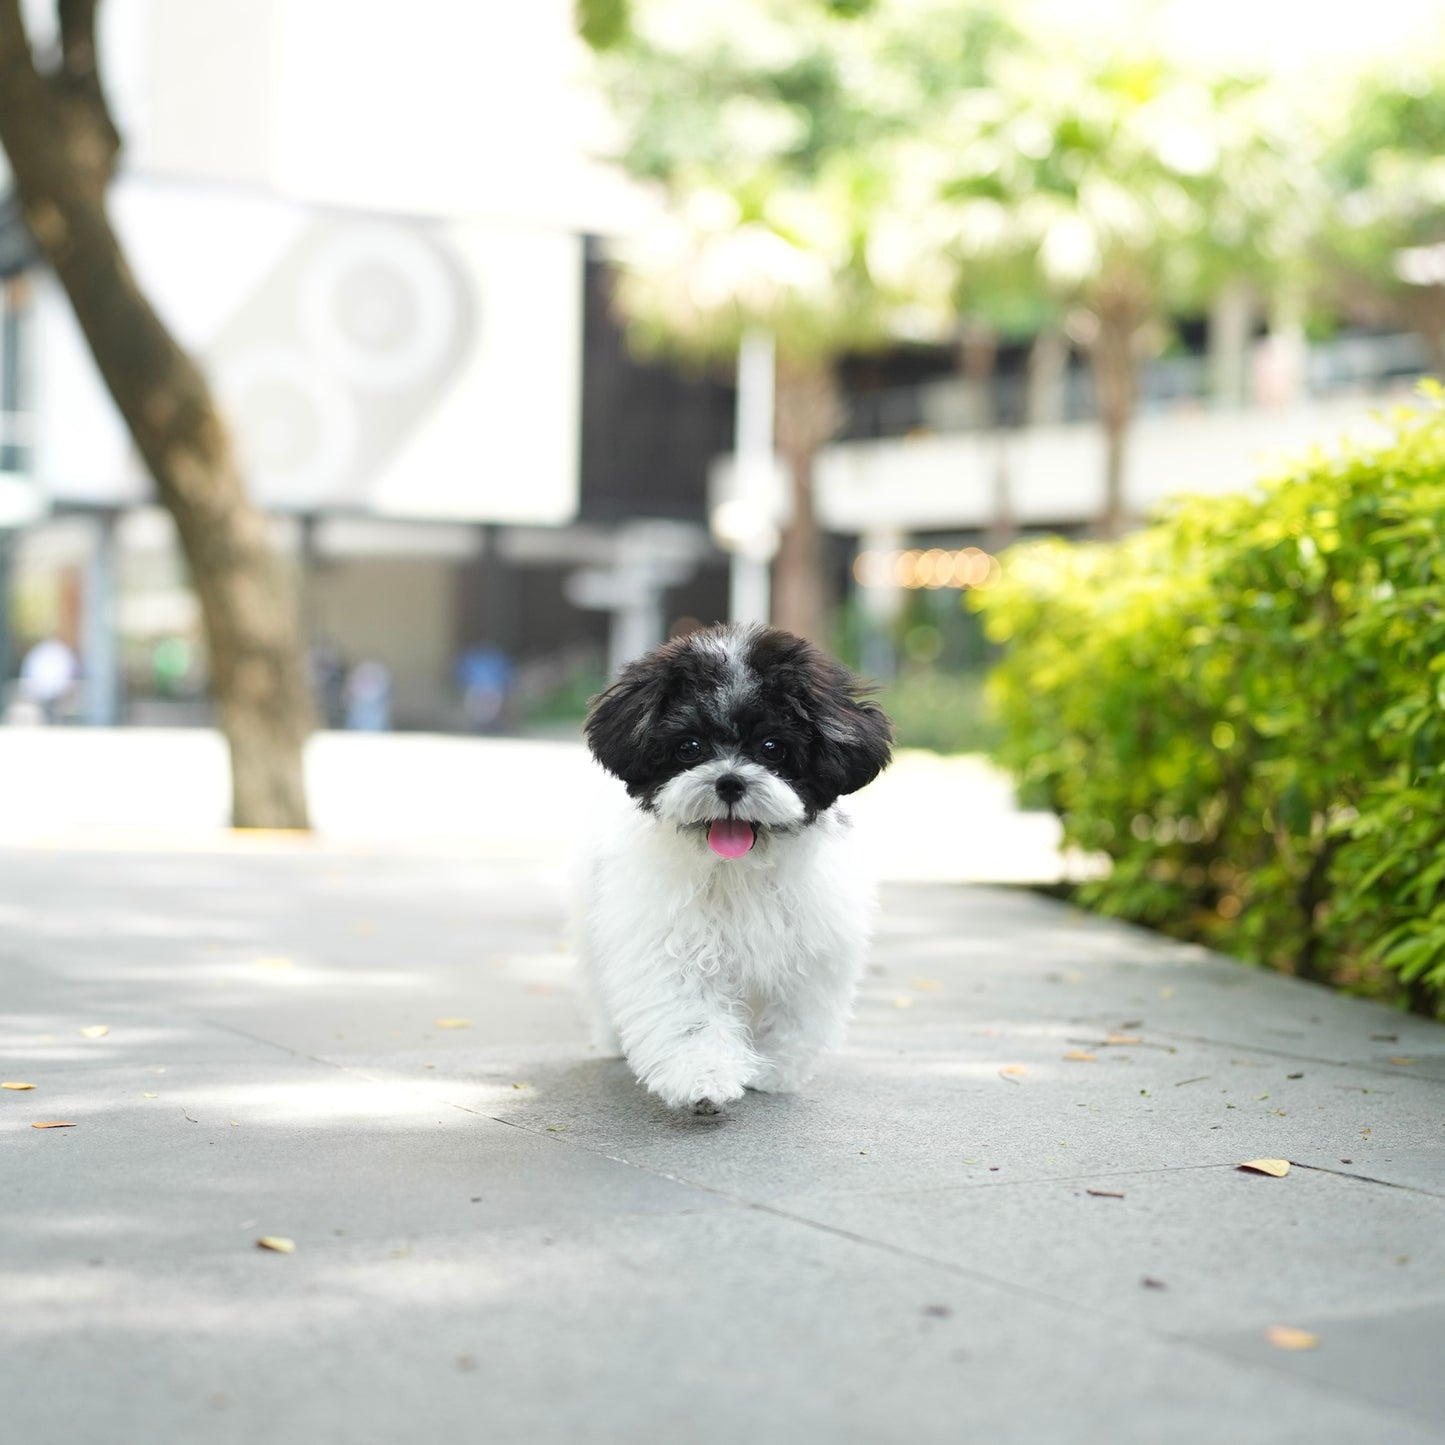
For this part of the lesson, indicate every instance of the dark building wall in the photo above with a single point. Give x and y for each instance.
(649, 429)
(522, 608)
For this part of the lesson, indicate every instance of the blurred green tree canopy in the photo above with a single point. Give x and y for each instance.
(852, 175)
(1386, 167)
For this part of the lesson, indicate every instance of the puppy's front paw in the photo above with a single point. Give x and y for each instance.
(705, 1093)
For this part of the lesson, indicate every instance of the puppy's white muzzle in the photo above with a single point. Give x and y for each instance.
(729, 787)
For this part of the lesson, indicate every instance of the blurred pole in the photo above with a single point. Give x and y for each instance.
(1048, 376)
(749, 594)
(1231, 326)
(100, 642)
(880, 603)
(7, 661)
(1282, 358)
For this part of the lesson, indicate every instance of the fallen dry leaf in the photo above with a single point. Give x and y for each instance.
(277, 1243)
(1149, 1282)
(1276, 1168)
(150, 1096)
(1081, 1056)
(1103, 1193)
(95, 1031)
(54, 1124)
(903, 1001)
(1402, 1061)
(17, 1086)
(188, 1115)
(454, 1023)
(1286, 1337)
(1122, 1039)
(924, 985)
(1012, 1072)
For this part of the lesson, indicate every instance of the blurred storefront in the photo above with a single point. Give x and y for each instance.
(401, 320)
(388, 268)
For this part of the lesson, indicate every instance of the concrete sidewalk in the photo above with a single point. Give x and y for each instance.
(1009, 1212)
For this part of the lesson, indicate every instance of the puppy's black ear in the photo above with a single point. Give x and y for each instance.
(620, 722)
(856, 738)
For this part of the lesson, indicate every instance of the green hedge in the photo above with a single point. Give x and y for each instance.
(1243, 706)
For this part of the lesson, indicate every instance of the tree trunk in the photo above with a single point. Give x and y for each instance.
(1427, 316)
(809, 410)
(1121, 313)
(62, 148)
(977, 362)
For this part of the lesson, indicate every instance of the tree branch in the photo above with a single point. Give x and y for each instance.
(16, 61)
(79, 72)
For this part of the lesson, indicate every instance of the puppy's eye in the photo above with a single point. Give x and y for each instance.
(773, 750)
(689, 750)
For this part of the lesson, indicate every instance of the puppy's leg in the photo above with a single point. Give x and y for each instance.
(687, 1042)
(792, 1029)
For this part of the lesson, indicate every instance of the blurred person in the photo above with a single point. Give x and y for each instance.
(170, 666)
(368, 698)
(47, 676)
(328, 678)
(484, 675)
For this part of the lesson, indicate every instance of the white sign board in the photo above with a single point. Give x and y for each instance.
(367, 364)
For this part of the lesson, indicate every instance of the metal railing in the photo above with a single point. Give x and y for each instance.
(1347, 364)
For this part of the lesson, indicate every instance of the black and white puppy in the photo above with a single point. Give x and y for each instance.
(724, 913)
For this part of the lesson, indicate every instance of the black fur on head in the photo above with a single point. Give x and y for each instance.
(754, 694)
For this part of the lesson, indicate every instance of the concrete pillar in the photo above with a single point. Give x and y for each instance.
(7, 645)
(99, 630)
(749, 590)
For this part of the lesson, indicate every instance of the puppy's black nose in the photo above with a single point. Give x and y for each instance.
(730, 787)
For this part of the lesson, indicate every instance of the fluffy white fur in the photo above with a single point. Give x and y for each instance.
(712, 975)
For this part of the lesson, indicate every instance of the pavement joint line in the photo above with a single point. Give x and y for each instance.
(1271, 1367)
(268, 1043)
(1383, 1071)
(1007, 1286)
(1025, 1183)
(1370, 1179)
(420, 1086)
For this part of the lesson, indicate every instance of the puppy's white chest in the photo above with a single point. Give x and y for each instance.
(740, 928)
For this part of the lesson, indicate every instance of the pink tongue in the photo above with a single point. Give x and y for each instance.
(729, 837)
